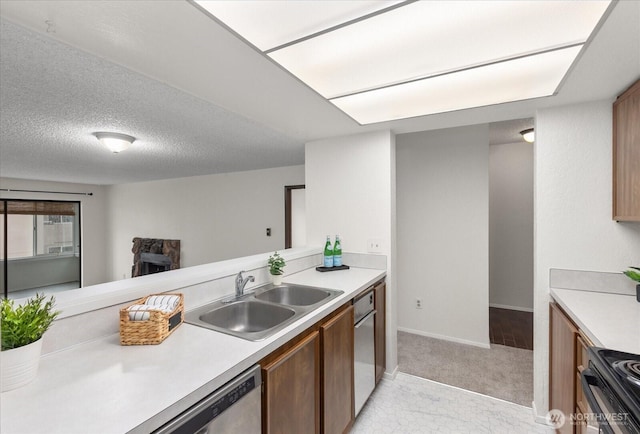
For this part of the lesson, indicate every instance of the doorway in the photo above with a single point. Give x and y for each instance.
(295, 221)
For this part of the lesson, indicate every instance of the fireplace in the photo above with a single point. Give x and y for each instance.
(154, 255)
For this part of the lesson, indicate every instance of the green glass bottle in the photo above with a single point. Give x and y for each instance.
(328, 253)
(337, 252)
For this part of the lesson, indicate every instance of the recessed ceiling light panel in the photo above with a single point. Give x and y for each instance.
(514, 80)
(430, 37)
(268, 24)
(381, 61)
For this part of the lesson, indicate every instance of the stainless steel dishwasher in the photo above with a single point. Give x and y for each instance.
(234, 408)
(364, 349)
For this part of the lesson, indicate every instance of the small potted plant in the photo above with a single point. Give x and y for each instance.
(634, 274)
(276, 264)
(22, 329)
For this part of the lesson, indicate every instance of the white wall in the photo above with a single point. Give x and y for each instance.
(511, 226)
(443, 212)
(215, 217)
(95, 243)
(573, 202)
(350, 190)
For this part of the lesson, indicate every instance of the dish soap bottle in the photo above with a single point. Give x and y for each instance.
(328, 253)
(337, 252)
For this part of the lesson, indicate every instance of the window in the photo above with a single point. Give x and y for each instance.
(41, 243)
(41, 228)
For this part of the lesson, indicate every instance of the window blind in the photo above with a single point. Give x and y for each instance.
(38, 208)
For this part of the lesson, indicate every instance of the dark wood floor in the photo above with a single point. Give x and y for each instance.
(512, 328)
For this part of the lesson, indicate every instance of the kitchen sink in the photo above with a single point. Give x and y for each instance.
(294, 295)
(247, 316)
(262, 313)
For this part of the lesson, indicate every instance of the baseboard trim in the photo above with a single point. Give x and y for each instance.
(542, 420)
(444, 338)
(504, 306)
(391, 375)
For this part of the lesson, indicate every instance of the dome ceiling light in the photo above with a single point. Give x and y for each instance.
(528, 135)
(116, 142)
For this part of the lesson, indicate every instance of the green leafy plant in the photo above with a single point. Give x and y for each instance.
(26, 323)
(276, 264)
(633, 274)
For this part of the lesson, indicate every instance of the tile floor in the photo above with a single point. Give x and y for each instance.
(413, 405)
(512, 328)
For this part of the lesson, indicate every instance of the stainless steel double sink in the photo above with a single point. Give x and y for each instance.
(258, 315)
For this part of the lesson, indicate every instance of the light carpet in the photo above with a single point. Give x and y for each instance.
(502, 372)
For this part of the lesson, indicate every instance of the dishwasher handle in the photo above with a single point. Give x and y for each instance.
(363, 320)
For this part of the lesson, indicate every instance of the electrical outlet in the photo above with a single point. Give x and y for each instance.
(374, 245)
(418, 303)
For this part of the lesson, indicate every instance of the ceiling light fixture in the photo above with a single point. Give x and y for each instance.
(528, 135)
(116, 142)
(382, 61)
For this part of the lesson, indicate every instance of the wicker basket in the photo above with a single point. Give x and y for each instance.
(153, 330)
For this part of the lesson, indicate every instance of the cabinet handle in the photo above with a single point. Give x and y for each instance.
(363, 320)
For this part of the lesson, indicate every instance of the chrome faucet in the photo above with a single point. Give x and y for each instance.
(242, 282)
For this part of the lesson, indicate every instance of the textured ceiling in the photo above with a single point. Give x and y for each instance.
(50, 108)
(198, 98)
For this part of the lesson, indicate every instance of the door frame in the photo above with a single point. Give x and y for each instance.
(287, 212)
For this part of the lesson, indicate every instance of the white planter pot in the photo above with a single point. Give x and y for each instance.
(20, 365)
(276, 279)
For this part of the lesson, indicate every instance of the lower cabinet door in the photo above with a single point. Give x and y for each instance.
(291, 395)
(336, 336)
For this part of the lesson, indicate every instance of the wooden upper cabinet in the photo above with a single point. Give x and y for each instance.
(380, 329)
(336, 337)
(291, 389)
(626, 155)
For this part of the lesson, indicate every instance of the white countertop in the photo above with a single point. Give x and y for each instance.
(103, 387)
(609, 320)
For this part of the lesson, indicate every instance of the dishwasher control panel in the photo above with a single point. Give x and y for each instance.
(232, 396)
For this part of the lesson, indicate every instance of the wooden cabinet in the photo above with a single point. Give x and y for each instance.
(562, 364)
(568, 357)
(308, 382)
(380, 329)
(626, 155)
(291, 388)
(336, 339)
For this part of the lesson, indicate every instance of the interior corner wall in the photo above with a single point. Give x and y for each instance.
(350, 191)
(573, 212)
(511, 226)
(443, 233)
(215, 217)
(92, 220)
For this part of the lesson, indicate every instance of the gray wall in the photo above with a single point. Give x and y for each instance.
(442, 232)
(34, 273)
(511, 226)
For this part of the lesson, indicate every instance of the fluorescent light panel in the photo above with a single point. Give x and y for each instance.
(398, 63)
(430, 37)
(514, 80)
(268, 24)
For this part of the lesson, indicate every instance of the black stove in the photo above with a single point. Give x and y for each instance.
(612, 387)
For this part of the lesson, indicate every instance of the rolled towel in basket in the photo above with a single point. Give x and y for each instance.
(140, 312)
(164, 300)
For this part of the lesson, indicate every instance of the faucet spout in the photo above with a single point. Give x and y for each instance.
(242, 282)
